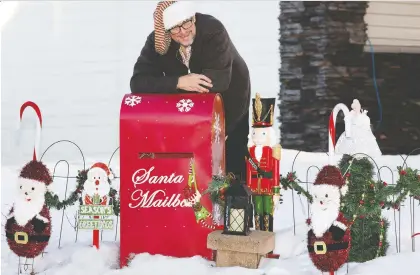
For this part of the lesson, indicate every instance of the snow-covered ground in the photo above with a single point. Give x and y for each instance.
(80, 258)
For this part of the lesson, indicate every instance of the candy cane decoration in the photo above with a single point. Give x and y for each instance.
(417, 234)
(331, 128)
(39, 125)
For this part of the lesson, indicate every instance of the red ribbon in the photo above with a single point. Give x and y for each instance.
(38, 113)
(331, 129)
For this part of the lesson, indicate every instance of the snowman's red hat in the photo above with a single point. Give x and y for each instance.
(37, 171)
(332, 176)
(104, 167)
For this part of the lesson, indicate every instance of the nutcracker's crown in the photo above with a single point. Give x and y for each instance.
(262, 111)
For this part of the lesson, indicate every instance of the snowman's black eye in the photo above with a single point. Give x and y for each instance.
(326, 195)
(33, 188)
(99, 177)
(21, 187)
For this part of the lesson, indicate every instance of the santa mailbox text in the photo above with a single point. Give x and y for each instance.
(170, 146)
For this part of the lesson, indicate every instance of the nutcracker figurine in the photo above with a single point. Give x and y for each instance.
(263, 163)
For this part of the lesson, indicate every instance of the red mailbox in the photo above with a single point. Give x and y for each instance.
(170, 146)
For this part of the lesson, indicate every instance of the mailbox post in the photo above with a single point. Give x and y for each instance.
(162, 137)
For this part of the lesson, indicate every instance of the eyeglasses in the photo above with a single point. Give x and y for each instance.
(185, 25)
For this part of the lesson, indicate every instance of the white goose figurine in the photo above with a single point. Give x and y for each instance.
(362, 139)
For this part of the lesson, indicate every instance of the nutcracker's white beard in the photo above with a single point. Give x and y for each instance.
(258, 152)
(323, 215)
(24, 210)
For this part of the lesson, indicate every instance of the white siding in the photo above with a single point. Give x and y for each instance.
(393, 26)
(75, 60)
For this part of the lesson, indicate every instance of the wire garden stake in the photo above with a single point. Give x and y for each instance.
(65, 195)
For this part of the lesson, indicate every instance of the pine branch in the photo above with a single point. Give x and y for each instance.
(291, 182)
(216, 188)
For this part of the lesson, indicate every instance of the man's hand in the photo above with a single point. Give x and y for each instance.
(194, 83)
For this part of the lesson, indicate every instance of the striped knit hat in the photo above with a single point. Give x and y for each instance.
(167, 15)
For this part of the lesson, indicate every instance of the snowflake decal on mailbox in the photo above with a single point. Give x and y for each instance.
(132, 100)
(185, 105)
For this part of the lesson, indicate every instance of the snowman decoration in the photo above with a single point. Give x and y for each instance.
(362, 139)
(329, 237)
(28, 227)
(97, 185)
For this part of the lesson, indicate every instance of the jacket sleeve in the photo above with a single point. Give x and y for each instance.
(217, 64)
(148, 77)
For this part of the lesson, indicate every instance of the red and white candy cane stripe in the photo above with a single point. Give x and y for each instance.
(162, 37)
(331, 128)
(206, 225)
(38, 128)
(417, 234)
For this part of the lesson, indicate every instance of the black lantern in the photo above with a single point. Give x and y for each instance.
(238, 209)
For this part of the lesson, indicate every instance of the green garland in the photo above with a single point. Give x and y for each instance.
(362, 205)
(292, 182)
(408, 184)
(216, 189)
(379, 192)
(364, 201)
(53, 201)
(365, 197)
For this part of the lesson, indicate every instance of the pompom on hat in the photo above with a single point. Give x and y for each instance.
(37, 171)
(331, 175)
(177, 12)
(167, 15)
(104, 167)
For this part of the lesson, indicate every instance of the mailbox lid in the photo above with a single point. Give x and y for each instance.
(175, 122)
(168, 107)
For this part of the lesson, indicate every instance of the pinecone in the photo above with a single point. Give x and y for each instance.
(197, 207)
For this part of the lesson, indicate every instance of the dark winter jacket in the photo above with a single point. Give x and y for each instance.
(213, 53)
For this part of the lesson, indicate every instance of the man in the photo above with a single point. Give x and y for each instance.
(192, 52)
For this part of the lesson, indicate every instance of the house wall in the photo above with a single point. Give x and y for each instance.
(75, 60)
(318, 65)
(325, 62)
(393, 26)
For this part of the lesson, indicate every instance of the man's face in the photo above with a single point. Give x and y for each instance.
(184, 33)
